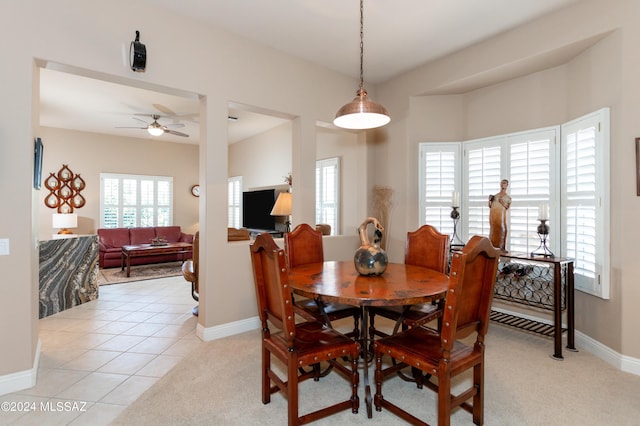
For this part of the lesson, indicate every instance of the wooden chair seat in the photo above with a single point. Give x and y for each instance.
(312, 341)
(415, 316)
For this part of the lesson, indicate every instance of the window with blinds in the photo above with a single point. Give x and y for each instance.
(234, 216)
(571, 176)
(585, 195)
(327, 193)
(482, 176)
(440, 177)
(525, 159)
(135, 200)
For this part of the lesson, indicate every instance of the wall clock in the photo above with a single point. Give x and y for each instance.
(195, 190)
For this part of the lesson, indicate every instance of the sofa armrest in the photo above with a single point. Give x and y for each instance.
(186, 238)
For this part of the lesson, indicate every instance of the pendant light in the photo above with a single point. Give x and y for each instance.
(361, 113)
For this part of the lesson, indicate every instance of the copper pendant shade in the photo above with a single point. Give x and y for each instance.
(361, 113)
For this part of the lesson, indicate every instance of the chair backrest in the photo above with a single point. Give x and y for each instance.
(273, 294)
(196, 252)
(303, 245)
(427, 248)
(470, 292)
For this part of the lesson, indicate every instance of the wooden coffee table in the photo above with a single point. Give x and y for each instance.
(152, 250)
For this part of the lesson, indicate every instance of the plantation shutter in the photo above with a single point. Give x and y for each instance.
(585, 208)
(135, 200)
(327, 192)
(483, 173)
(439, 178)
(234, 193)
(531, 156)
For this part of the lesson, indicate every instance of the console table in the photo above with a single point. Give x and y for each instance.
(541, 282)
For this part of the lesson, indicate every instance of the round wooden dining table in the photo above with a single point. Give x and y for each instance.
(338, 281)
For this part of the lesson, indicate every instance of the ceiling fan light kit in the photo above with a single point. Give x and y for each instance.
(361, 113)
(156, 129)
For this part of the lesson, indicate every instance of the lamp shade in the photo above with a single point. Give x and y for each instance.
(361, 113)
(282, 207)
(64, 221)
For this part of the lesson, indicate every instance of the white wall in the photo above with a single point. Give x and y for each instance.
(90, 154)
(262, 160)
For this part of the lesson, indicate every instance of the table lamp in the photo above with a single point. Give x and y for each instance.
(64, 221)
(282, 207)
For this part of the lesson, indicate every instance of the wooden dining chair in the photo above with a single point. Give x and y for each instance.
(296, 345)
(440, 352)
(304, 245)
(428, 248)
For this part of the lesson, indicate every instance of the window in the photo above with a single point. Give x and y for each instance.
(527, 160)
(440, 177)
(135, 200)
(585, 195)
(327, 192)
(532, 162)
(235, 201)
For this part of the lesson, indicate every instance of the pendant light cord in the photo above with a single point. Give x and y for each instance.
(361, 44)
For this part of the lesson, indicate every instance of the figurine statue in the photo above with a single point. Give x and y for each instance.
(370, 259)
(498, 206)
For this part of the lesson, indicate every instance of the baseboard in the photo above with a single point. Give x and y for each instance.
(229, 329)
(605, 353)
(21, 380)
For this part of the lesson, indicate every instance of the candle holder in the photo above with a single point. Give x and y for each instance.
(455, 215)
(543, 233)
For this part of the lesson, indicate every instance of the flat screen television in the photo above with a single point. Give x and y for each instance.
(256, 209)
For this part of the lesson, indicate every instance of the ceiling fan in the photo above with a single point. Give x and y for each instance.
(157, 129)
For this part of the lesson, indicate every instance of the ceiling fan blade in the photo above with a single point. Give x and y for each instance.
(175, 125)
(173, 132)
(141, 120)
(165, 110)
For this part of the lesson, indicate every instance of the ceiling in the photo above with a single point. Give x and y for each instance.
(398, 36)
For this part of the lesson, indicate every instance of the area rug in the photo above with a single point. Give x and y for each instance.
(139, 273)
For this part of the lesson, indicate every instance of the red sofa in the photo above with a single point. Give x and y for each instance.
(111, 240)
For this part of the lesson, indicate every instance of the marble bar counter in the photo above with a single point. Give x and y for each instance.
(68, 273)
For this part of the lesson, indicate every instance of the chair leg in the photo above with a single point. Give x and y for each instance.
(377, 398)
(478, 398)
(266, 381)
(355, 379)
(292, 392)
(444, 399)
(356, 326)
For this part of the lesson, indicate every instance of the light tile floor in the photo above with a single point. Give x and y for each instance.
(99, 357)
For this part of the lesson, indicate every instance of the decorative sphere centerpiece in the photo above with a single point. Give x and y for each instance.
(370, 259)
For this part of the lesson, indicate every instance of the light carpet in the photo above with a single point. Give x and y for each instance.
(219, 384)
(139, 273)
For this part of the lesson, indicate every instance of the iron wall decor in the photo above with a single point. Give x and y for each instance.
(64, 190)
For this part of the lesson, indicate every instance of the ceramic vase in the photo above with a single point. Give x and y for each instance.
(370, 259)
